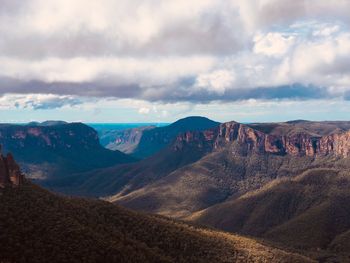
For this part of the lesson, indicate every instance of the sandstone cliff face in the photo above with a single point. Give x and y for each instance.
(62, 137)
(251, 140)
(10, 173)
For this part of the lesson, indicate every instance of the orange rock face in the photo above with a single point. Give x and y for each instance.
(10, 173)
(301, 144)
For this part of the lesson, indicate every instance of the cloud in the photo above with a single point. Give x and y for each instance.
(38, 101)
(217, 81)
(174, 51)
(272, 44)
(144, 110)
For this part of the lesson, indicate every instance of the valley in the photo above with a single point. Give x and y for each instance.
(270, 181)
(39, 226)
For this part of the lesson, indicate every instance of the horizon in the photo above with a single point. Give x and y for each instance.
(159, 124)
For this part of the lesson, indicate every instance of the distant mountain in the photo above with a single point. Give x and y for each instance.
(127, 140)
(37, 226)
(108, 132)
(143, 142)
(46, 123)
(52, 149)
(313, 128)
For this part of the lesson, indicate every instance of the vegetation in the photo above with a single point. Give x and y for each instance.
(310, 212)
(213, 179)
(37, 226)
(293, 201)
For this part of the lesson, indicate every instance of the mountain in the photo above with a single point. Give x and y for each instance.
(52, 149)
(47, 123)
(143, 142)
(227, 160)
(38, 226)
(317, 128)
(285, 183)
(310, 212)
(234, 159)
(305, 169)
(108, 132)
(128, 177)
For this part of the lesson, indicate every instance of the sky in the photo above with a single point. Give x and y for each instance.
(161, 60)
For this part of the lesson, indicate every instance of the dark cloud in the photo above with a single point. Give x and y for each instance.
(84, 89)
(292, 92)
(181, 91)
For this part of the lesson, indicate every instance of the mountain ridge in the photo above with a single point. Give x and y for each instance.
(254, 140)
(309, 212)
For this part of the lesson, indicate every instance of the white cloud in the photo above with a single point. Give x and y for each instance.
(217, 81)
(272, 44)
(326, 30)
(144, 110)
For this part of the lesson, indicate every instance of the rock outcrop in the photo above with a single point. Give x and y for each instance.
(10, 173)
(251, 140)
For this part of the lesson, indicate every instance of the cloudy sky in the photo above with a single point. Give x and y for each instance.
(160, 60)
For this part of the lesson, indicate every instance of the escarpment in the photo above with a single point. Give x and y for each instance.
(251, 140)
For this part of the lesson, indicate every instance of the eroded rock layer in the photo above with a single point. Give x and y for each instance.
(253, 140)
(10, 173)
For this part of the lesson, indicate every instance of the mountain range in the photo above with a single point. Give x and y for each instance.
(286, 184)
(203, 176)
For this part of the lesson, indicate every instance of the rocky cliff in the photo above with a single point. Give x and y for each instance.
(10, 173)
(47, 151)
(249, 139)
(53, 137)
